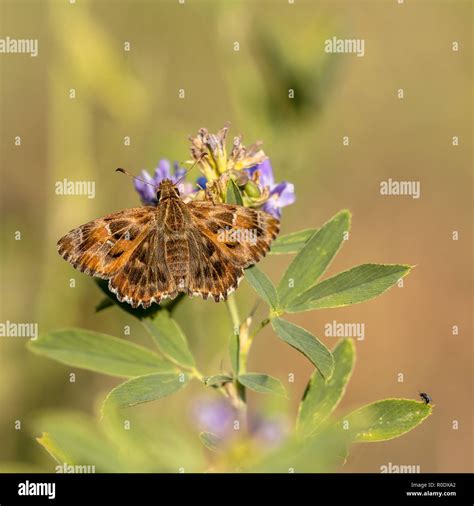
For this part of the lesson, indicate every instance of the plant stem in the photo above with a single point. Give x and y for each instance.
(234, 312)
(244, 342)
(241, 403)
(197, 374)
(261, 325)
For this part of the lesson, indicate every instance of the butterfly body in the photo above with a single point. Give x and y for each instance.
(151, 253)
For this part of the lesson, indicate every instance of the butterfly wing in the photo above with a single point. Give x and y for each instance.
(145, 261)
(224, 240)
(211, 273)
(126, 248)
(146, 277)
(102, 246)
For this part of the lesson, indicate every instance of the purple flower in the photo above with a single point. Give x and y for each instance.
(271, 431)
(281, 194)
(216, 416)
(147, 192)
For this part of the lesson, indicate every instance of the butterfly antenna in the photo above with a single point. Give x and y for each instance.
(123, 171)
(190, 168)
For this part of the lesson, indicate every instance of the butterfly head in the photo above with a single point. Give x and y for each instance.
(167, 190)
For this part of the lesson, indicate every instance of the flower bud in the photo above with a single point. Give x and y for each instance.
(252, 190)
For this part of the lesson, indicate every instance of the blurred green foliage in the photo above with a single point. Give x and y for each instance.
(317, 443)
(119, 94)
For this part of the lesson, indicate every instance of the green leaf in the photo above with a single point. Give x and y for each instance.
(291, 243)
(73, 439)
(98, 352)
(262, 285)
(305, 342)
(169, 338)
(383, 420)
(144, 389)
(48, 442)
(314, 258)
(218, 380)
(321, 398)
(153, 443)
(262, 383)
(233, 195)
(324, 452)
(210, 441)
(350, 287)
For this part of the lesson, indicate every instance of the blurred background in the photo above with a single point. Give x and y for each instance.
(135, 94)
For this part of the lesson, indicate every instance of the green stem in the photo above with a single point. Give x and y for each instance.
(261, 325)
(234, 313)
(197, 374)
(245, 347)
(235, 319)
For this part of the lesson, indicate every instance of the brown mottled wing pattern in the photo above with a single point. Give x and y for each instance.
(217, 257)
(146, 277)
(102, 246)
(123, 248)
(152, 253)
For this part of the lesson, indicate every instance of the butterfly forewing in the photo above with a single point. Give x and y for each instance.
(103, 246)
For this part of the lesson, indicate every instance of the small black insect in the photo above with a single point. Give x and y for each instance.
(425, 397)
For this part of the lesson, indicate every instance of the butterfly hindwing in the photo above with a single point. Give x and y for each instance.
(146, 277)
(225, 240)
(211, 272)
(242, 234)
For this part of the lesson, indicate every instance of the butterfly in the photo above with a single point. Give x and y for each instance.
(152, 253)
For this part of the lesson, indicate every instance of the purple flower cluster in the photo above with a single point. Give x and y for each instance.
(281, 194)
(147, 192)
(218, 415)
